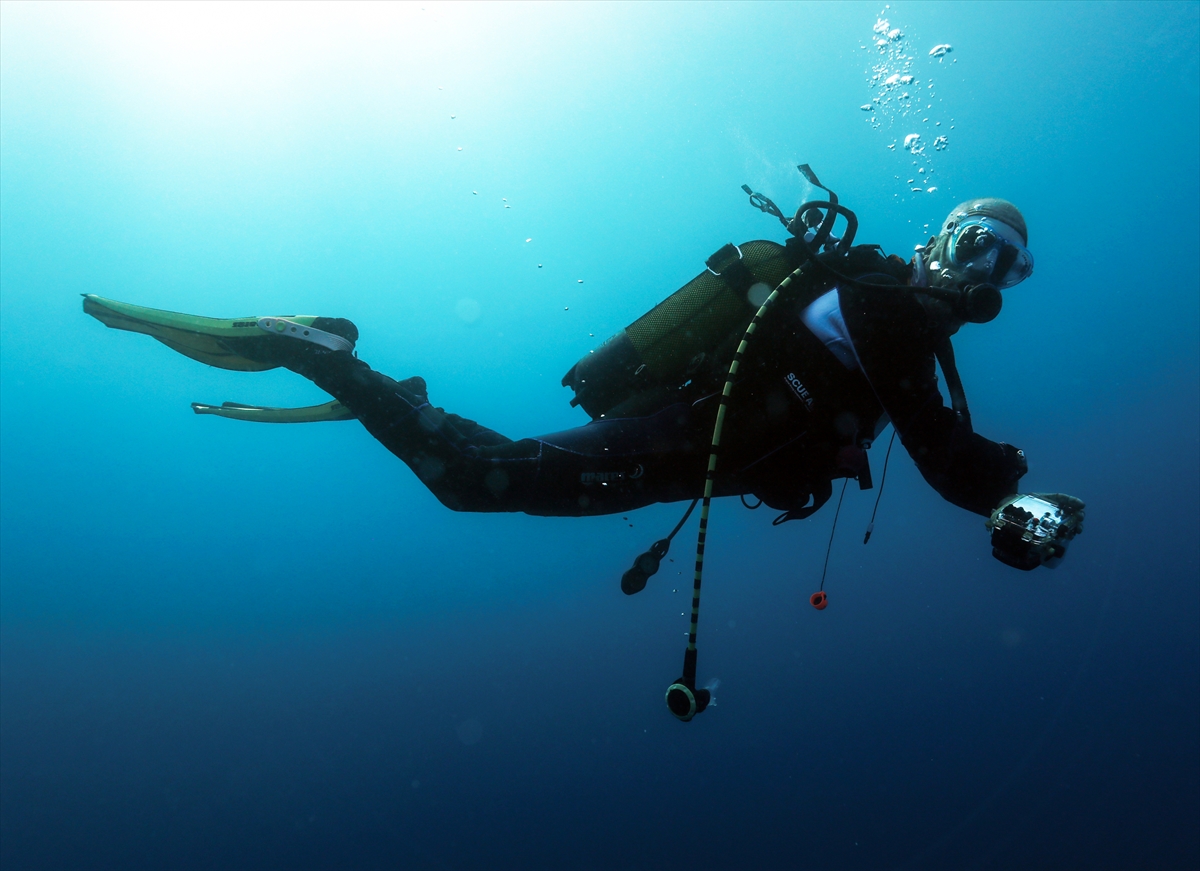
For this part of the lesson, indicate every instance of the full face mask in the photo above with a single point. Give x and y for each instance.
(982, 242)
(984, 249)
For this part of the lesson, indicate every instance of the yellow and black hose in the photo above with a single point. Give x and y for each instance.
(684, 700)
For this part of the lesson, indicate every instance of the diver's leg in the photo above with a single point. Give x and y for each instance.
(443, 450)
(614, 465)
(605, 467)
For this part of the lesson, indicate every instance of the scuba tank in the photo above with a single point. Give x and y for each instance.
(693, 333)
(637, 370)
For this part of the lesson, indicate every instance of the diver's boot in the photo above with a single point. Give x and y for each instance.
(250, 344)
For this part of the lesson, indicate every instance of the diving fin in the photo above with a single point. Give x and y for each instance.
(265, 414)
(222, 342)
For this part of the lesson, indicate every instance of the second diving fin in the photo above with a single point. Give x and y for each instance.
(265, 414)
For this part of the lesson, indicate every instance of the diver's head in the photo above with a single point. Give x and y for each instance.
(982, 241)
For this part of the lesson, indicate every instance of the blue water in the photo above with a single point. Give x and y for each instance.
(228, 645)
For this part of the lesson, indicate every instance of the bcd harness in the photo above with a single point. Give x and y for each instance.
(694, 331)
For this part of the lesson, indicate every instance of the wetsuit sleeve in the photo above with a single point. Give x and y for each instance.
(895, 346)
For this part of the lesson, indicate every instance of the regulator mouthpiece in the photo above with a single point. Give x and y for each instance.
(974, 303)
(981, 303)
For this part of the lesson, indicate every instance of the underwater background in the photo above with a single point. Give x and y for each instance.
(234, 645)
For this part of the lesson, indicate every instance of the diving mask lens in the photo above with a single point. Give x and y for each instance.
(991, 251)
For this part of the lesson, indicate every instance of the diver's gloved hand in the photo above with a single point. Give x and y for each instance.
(1031, 530)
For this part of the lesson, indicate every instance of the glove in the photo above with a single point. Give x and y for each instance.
(1031, 530)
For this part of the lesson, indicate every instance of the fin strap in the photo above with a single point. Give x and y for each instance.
(296, 330)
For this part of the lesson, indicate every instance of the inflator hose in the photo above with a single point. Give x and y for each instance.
(674, 697)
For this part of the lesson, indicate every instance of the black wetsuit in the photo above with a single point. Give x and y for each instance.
(798, 418)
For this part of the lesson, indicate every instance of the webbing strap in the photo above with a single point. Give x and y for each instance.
(831, 213)
(958, 396)
(727, 263)
(765, 204)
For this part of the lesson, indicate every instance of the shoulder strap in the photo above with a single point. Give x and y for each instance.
(958, 397)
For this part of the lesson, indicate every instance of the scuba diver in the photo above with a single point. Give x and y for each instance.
(769, 376)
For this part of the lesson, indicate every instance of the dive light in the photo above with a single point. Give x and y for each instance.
(684, 700)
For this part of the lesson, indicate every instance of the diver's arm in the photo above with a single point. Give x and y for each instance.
(894, 344)
(967, 469)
